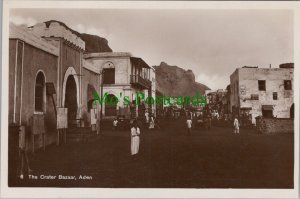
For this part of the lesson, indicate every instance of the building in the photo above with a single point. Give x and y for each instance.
(266, 92)
(46, 77)
(124, 76)
(32, 64)
(217, 101)
(53, 81)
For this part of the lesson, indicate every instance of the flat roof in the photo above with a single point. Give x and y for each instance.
(106, 55)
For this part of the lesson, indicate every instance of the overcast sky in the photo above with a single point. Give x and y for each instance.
(212, 43)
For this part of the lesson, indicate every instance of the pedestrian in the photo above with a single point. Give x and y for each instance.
(189, 126)
(236, 126)
(151, 126)
(147, 118)
(135, 139)
(115, 124)
(23, 152)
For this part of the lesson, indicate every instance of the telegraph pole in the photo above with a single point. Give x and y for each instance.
(101, 105)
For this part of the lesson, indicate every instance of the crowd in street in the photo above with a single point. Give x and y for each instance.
(150, 122)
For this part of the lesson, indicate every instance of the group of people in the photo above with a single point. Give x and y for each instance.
(151, 121)
(236, 125)
(136, 132)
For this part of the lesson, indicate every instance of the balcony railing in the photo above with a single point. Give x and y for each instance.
(140, 81)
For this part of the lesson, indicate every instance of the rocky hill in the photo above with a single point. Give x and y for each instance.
(175, 81)
(94, 43)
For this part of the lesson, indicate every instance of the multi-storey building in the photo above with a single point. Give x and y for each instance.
(52, 82)
(124, 76)
(266, 92)
(46, 74)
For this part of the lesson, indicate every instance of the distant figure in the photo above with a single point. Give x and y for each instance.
(135, 139)
(189, 126)
(217, 115)
(236, 126)
(147, 118)
(207, 117)
(151, 126)
(115, 124)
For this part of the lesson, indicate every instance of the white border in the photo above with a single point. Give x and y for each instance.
(138, 193)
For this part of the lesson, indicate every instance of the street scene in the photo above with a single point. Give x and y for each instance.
(170, 159)
(147, 99)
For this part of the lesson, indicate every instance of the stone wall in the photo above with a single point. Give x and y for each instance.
(274, 125)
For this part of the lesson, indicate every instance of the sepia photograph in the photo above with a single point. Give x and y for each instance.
(172, 96)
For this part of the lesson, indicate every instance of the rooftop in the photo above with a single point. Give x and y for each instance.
(106, 55)
(24, 34)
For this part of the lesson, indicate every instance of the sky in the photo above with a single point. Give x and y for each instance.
(212, 43)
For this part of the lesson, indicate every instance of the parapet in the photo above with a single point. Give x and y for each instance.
(24, 34)
(55, 29)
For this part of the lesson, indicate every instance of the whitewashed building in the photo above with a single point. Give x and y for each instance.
(266, 92)
(126, 78)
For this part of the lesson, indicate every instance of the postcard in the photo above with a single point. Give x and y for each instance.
(170, 99)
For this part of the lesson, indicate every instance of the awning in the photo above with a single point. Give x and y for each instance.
(139, 62)
(267, 107)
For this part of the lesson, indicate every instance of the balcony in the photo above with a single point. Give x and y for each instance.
(140, 81)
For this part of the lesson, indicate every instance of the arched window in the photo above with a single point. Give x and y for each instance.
(39, 92)
(111, 105)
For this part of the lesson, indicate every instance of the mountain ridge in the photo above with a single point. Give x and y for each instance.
(175, 81)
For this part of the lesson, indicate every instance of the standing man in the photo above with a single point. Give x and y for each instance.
(151, 125)
(236, 126)
(135, 139)
(189, 126)
(147, 119)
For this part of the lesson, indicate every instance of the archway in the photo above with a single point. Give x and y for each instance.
(39, 93)
(71, 99)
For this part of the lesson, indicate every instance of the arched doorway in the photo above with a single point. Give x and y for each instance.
(71, 100)
(39, 98)
(292, 109)
(111, 105)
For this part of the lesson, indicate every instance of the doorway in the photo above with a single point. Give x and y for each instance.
(71, 100)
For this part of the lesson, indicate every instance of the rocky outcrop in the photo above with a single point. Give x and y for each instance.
(175, 81)
(94, 43)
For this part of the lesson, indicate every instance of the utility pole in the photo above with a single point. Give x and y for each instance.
(101, 105)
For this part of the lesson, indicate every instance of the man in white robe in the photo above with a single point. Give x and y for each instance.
(135, 139)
